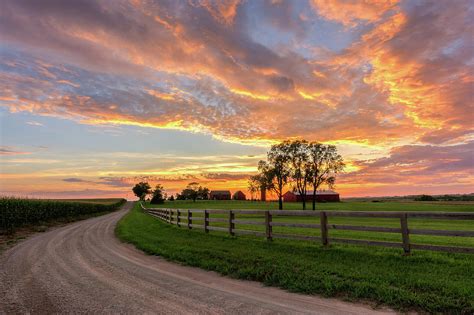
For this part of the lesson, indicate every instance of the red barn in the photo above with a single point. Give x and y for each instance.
(219, 195)
(321, 196)
(238, 195)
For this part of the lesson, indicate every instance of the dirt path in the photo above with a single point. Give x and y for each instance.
(82, 267)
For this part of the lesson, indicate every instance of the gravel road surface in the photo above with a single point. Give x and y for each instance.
(82, 267)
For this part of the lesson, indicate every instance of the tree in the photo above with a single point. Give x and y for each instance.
(258, 183)
(275, 171)
(300, 170)
(203, 193)
(158, 195)
(141, 190)
(324, 165)
(426, 198)
(171, 198)
(194, 191)
(252, 186)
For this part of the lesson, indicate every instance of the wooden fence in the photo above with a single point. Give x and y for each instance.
(184, 218)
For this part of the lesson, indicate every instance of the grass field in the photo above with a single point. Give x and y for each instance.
(427, 281)
(348, 206)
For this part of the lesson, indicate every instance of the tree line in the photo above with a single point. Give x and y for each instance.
(193, 191)
(306, 166)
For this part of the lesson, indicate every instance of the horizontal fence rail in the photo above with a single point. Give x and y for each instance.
(185, 218)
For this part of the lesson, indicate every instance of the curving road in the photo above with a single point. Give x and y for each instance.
(82, 267)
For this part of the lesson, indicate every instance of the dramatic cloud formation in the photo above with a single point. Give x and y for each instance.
(389, 81)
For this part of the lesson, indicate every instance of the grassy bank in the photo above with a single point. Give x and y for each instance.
(428, 281)
(18, 212)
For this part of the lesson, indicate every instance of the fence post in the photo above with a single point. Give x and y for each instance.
(178, 220)
(170, 217)
(268, 227)
(206, 221)
(324, 228)
(405, 233)
(231, 224)
(190, 219)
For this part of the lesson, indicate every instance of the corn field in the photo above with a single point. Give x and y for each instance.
(17, 212)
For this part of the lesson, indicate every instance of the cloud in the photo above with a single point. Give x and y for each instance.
(217, 79)
(34, 123)
(4, 150)
(75, 180)
(351, 12)
(417, 165)
(226, 176)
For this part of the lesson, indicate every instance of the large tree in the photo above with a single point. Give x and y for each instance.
(300, 168)
(141, 190)
(325, 163)
(158, 195)
(275, 171)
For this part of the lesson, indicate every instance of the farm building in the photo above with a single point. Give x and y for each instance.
(238, 195)
(219, 195)
(321, 196)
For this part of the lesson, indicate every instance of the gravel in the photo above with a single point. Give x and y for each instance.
(83, 267)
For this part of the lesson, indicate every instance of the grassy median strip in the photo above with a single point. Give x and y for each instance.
(427, 281)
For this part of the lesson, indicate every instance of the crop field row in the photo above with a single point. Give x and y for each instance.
(17, 212)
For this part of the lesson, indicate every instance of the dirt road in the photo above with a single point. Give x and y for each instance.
(82, 267)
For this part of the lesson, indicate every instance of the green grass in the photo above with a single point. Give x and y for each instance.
(349, 206)
(18, 212)
(428, 281)
(430, 224)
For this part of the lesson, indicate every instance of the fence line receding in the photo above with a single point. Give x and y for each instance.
(185, 218)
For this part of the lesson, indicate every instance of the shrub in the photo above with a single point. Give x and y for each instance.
(426, 198)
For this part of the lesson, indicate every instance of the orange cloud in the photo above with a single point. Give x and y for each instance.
(349, 13)
(222, 10)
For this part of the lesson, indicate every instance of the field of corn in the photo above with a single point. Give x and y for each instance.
(17, 212)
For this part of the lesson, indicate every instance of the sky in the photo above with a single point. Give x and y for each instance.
(98, 95)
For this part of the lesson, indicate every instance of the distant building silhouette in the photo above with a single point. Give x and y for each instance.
(219, 195)
(321, 195)
(239, 195)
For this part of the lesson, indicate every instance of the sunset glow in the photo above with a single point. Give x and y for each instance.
(98, 95)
